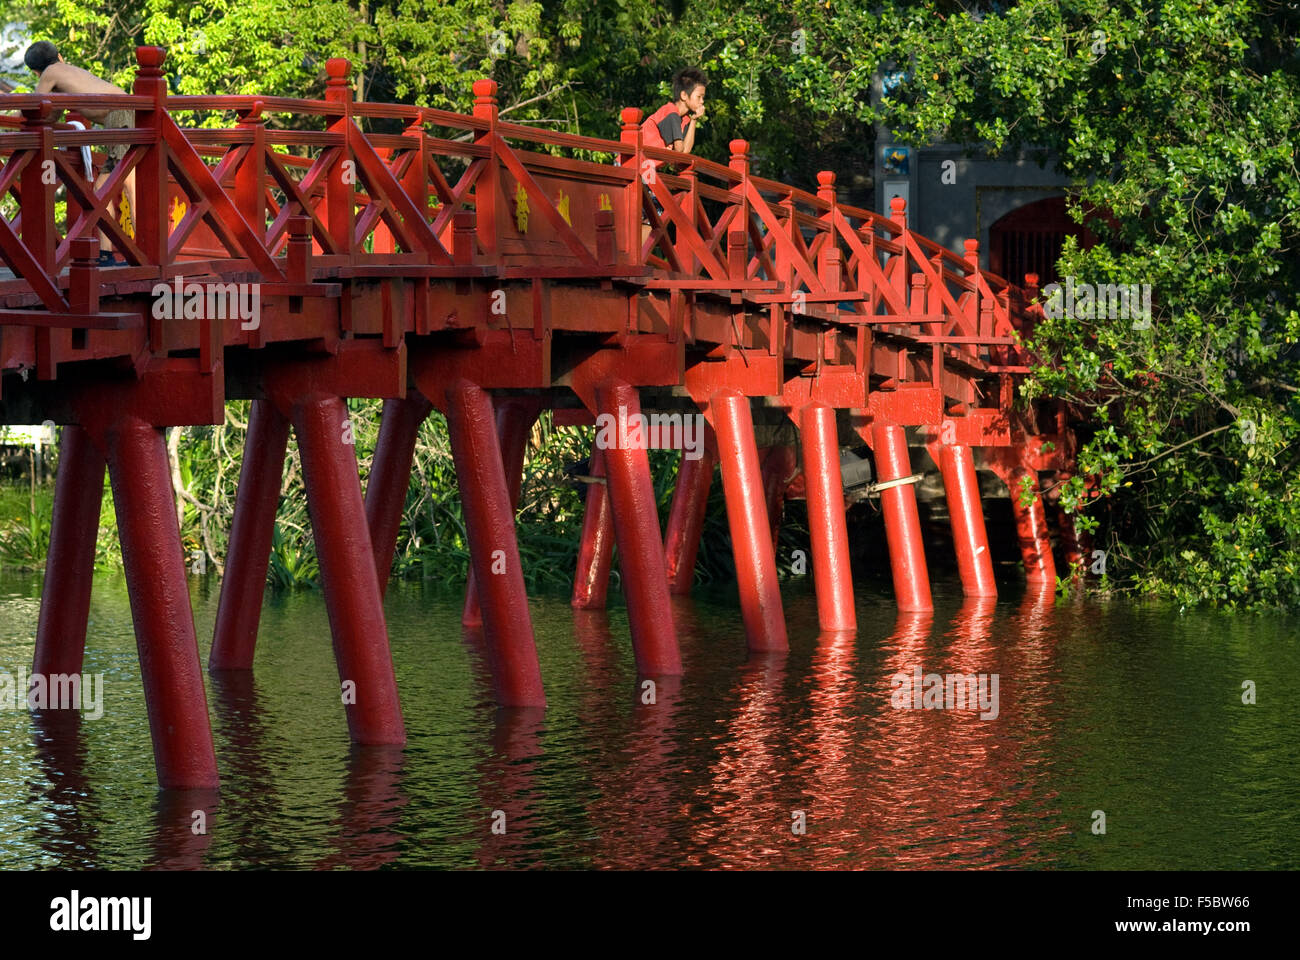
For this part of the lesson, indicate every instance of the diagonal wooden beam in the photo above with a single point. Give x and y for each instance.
(801, 266)
(873, 267)
(301, 192)
(401, 214)
(94, 212)
(686, 231)
(544, 204)
(25, 265)
(224, 218)
(454, 201)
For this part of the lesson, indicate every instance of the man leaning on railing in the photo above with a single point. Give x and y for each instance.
(58, 76)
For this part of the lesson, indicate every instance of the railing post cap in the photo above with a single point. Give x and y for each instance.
(739, 147)
(337, 69)
(896, 205)
(150, 58)
(972, 246)
(485, 89)
(85, 249)
(630, 116)
(40, 113)
(826, 178)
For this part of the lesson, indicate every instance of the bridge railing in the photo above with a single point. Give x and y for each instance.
(480, 200)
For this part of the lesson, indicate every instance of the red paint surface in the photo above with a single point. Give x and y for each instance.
(490, 523)
(902, 524)
(751, 533)
(596, 547)
(251, 531)
(640, 544)
(826, 521)
(70, 562)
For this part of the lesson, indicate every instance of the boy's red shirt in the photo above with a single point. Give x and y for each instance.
(650, 135)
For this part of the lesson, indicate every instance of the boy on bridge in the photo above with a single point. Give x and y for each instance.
(673, 125)
(58, 76)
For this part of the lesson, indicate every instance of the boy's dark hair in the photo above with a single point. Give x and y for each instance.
(686, 80)
(40, 55)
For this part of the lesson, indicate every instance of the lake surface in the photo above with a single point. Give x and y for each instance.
(1132, 710)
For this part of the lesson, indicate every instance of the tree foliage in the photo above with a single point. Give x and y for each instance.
(1179, 119)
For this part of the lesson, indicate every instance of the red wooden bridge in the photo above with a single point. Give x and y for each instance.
(491, 271)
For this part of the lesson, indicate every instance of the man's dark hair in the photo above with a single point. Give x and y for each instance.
(40, 55)
(686, 80)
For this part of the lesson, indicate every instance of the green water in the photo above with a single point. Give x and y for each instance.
(1135, 711)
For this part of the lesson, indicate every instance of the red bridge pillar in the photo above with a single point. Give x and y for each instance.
(640, 545)
(970, 538)
(751, 533)
(596, 548)
(1076, 546)
(70, 561)
(826, 520)
(239, 610)
(494, 552)
(306, 393)
(1015, 467)
(1031, 527)
(779, 463)
(686, 518)
(347, 569)
(902, 523)
(117, 417)
(390, 476)
(160, 605)
(515, 417)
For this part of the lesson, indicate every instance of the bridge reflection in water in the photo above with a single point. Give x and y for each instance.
(711, 773)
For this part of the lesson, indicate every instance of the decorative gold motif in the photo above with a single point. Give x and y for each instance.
(521, 208)
(178, 214)
(126, 216)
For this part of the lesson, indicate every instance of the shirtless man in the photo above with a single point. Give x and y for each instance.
(58, 76)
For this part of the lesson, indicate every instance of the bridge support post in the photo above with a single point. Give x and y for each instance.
(1031, 528)
(160, 605)
(1076, 547)
(515, 417)
(751, 533)
(390, 476)
(826, 520)
(494, 552)
(347, 569)
(686, 519)
(596, 548)
(239, 611)
(70, 561)
(778, 463)
(640, 543)
(902, 523)
(970, 538)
